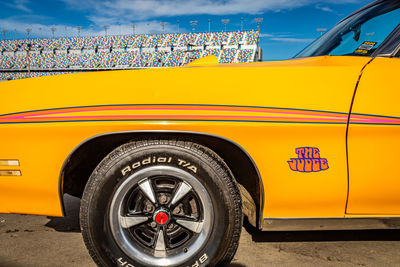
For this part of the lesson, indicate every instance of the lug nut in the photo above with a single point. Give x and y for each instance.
(170, 226)
(153, 224)
(163, 199)
(148, 208)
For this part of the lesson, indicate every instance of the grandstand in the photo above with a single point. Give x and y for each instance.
(42, 57)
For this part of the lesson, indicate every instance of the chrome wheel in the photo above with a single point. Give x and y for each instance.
(161, 216)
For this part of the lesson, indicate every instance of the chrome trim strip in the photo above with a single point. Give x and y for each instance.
(385, 55)
(10, 173)
(322, 224)
(396, 51)
(9, 162)
(393, 54)
(61, 176)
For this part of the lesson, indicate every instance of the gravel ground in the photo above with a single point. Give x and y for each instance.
(27, 240)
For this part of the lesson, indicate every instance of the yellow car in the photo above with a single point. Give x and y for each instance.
(167, 161)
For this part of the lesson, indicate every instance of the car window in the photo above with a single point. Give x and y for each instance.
(368, 35)
(360, 34)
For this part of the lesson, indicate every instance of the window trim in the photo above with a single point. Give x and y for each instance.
(363, 8)
(390, 45)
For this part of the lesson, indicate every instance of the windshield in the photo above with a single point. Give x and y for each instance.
(360, 34)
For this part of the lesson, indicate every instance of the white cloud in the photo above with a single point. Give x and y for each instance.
(263, 35)
(43, 30)
(144, 27)
(19, 4)
(146, 9)
(324, 8)
(276, 35)
(292, 40)
(284, 38)
(37, 29)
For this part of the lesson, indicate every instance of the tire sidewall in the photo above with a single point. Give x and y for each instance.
(109, 177)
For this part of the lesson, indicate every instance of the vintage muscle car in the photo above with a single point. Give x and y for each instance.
(168, 161)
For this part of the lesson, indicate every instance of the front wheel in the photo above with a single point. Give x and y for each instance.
(161, 203)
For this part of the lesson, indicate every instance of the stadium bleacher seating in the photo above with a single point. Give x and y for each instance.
(124, 58)
(192, 55)
(212, 51)
(142, 59)
(175, 58)
(50, 56)
(20, 61)
(5, 76)
(236, 38)
(8, 45)
(61, 60)
(90, 43)
(48, 60)
(220, 38)
(187, 39)
(35, 60)
(76, 43)
(228, 55)
(245, 55)
(120, 42)
(6, 61)
(252, 38)
(75, 60)
(159, 58)
(203, 39)
(91, 60)
(171, 40)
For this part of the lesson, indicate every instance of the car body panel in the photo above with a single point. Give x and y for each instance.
(269, 109)
(373, 147)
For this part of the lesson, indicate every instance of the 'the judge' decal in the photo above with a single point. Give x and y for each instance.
(308, 160)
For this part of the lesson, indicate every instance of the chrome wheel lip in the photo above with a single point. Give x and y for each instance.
(121, 235)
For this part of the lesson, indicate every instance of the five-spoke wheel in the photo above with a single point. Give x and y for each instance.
(161, 203)
(162, 211)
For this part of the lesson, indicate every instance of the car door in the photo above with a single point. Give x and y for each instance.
(374, 141)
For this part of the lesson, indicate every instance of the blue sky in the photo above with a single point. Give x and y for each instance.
(288, 26)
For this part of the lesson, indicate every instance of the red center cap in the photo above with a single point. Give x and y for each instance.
(161, 217)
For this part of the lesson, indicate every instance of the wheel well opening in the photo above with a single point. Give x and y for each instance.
(87, 156)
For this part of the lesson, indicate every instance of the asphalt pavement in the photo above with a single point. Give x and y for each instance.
(36, 241)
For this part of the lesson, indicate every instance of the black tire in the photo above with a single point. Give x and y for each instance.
(115, 192)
